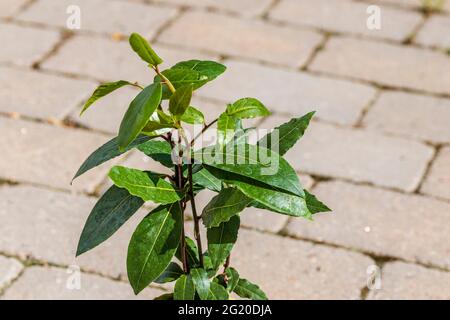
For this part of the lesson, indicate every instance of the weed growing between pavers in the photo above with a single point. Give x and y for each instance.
(242, 174)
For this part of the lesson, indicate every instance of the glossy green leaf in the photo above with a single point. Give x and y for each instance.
(254, 162)
(247, 108)
(315, 205)
(107, 152)
(146, 185)
(191, 251)
(246, 289)
(208, 70)
(205, 179)
(201, 282)
(172, 273)
(221, 240)
(232, 277)
(222, 207)
(153, 245)
(226, 127)
(144, 50)
(193, 116)
(152, 126)
(110, 212)
(184, 288)
(180, 100)
(138, 114)
(102, 91)
(287, 134)
(159, 151)
(165, 297)
(217, 292)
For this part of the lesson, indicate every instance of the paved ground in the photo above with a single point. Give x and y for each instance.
(378, 152)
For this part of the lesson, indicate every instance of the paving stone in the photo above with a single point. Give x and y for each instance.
(399, 113)
(40, 95)
(358, 155)
(106, 16)
(437, 183)
(24, 45)
(109, 60)
(9, 270)
(434, 34)
(403, 281)
(241, 7)
(39, 283)
(386, 64)
(47, 227)
(416, 4)
(48, 155)
(382, 222)
(10, 7)
(293, 93)
(242, 38)
(293, 269)
(396, 24)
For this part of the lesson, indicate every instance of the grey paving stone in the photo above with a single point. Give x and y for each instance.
(402, 281)
(242, 38)
(9, 8)
(24, 46)
(434, 34)
(291, 92)
(105, 16)
(351, 18)
(386, 64)
(48, 155)
(40, 95)
(411, 115)
(9, 270)
(241, 7)
(39, 283)
(358, 155)
(385, 223)
(437, 183)
(108, 60)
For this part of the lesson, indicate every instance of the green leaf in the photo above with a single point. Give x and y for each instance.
(146, 185)
(138, 113)
(153, 245)
(107, 152)
(226, 127)
(113, 209)
(172, 273)
(254, 162)
(221, 208)
(205, 179)
(315, 205)
(221, 240)
(152, 126)
(165, 296)
(208, 70)
(193, 116)
(102, 91)
(288, 134)
(246, 289)
(159, 151)
(184, 288)
(201, 282)
(217, 292)
(191, 251)
(233, 278)
(144, 50)
(180, 100)
(247, 108)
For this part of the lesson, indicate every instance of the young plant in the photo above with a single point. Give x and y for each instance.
(242, 174)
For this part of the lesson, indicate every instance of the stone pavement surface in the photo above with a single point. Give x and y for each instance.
(378, 151)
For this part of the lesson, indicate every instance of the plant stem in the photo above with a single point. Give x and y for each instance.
(196, 217)
(165, 80)
(203, 131)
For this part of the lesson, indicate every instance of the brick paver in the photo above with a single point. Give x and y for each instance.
(437, 182)
(386, 64)
(240, 7)
(408, 281)
(9, 8)
(416, 3)
(9, 270)
(40, 95)
(47, 155)
(291, 92)
(39, 283)
(351, 18)
(398, 112)
(382, 222)
(434, 32)
(24, 45)
(105, 16)
(242, 38)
